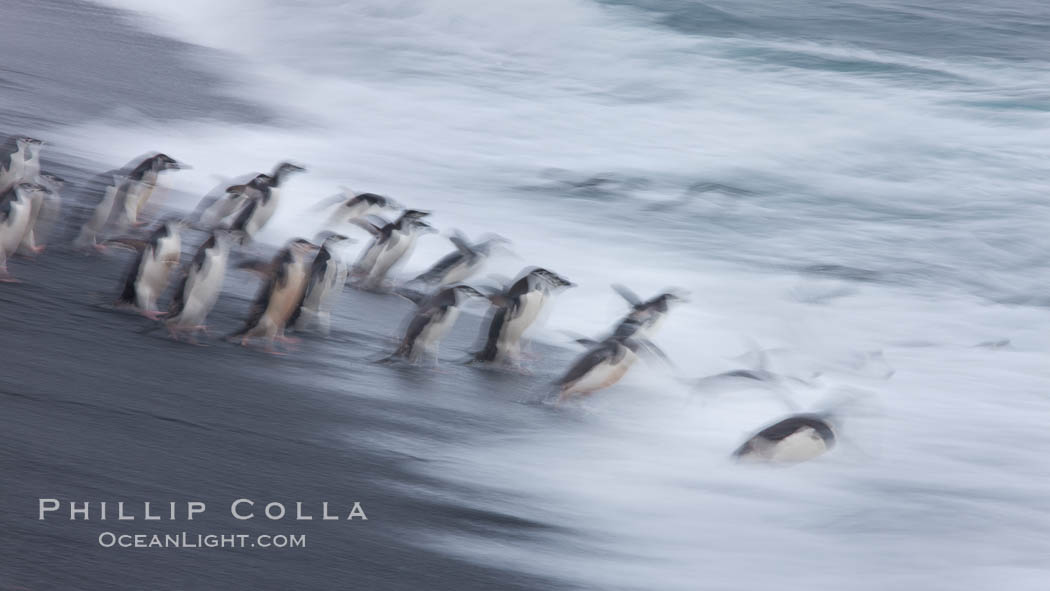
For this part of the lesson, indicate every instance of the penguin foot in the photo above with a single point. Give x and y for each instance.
(289, 340)
(38, 249)
(152, 314)
(100, 248)
(7, 278)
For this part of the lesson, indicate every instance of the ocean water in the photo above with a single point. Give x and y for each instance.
(826, 181)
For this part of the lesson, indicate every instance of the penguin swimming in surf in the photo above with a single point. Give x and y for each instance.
(601, 366)
(16, 209)
(46, 207)
(433, 318)
(327, 277)
(262, 196)
(19, 161)
(461, 264)
(149, 274)
(645, 316)
(200, 287)
(391, 244)
(516, 308)
(118, 196)
(346, 207)
(795, 439)
(279, 296)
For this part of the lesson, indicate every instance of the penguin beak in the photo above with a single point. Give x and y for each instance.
(180, 166)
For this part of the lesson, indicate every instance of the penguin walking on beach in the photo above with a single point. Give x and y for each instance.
(45, 211)
(19, 161)
(219, 204)
(516, 308)
(262, 196)
(200, 287)
(603, 365)
(645, 316)
(347, 207)
(391, 244)
(460, 264)
(149, 274)
(139, 187)
(433, 318)
(116, 197)
(16, 209)
(797, 438)
(327, 276)
(279, 297)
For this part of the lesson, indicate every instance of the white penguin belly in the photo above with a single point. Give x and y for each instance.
(530, 305)
(391, 255)
(262, 214)
(604, 374)
(284, 300)
(460, 272)
(13, 175)
(804, 445)
(99, 216)
(435, 331)
(204, 291)
(155, 271)
(135, 198)
(12, 231)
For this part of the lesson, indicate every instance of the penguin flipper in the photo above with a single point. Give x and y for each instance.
(330, 201)
(261, 267)
(371, 224)
(460, 242)
(626, 293)
(415, 296)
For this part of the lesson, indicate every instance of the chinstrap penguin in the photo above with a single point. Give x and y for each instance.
(515, 309)
(391, 243)
(150, 272)
(796, 438)
(279, 297)
(327, 276)
(16, 210)
(432, 319)
(200, 287)
(460, 264)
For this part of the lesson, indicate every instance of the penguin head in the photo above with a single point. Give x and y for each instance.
(410, 215)
(332, 238)
(302, 247)
(421, 227)
(27, 143)
(260, 182)
(466, 291)
(669, 297)
(286, 167)
(165, 162)
(29, 188)
(228, 236)
(550, 278)
(283, 169)
(52, 182)
(375, 200)
(33, 146)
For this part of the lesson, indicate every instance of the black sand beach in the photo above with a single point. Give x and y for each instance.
(93, 409)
